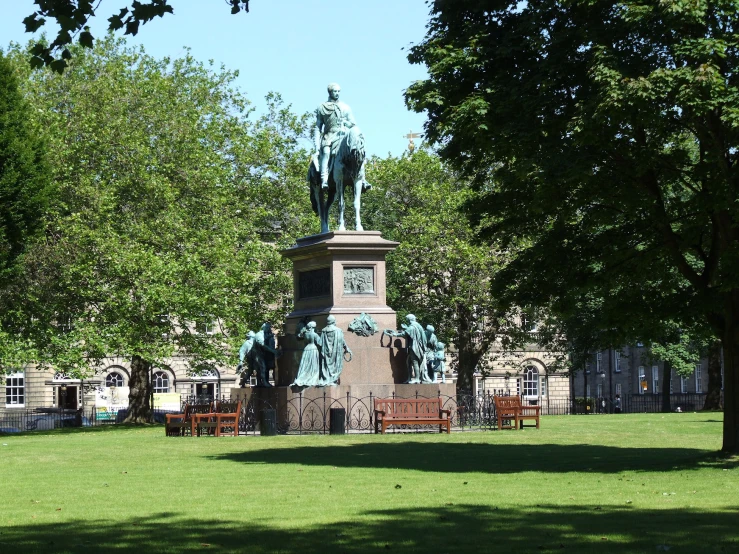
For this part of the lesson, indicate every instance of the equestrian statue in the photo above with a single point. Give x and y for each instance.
(338, 161)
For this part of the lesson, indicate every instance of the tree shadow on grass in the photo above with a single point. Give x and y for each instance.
(486, 458)
(429, 528)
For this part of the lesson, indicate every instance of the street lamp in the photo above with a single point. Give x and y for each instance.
(62, 403)
(602, 398)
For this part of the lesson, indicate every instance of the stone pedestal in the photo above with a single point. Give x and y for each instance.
(342, 273)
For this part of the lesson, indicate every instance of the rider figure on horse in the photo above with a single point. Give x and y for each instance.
(333, 119)
(338, 162)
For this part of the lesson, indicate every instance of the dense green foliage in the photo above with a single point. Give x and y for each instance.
(604, 137)
(581, 484)
(167, 215)
(25, 192)
(438, 272)
(25, 183)
(73, 16)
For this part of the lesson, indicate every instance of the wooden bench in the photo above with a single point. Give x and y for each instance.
(411, 411)
(227, 418)
(223, 419)
(177, 425)
(510, 408)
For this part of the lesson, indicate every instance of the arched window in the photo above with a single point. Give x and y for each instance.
(160, 382)
(531, 381)
(207, 373)
(114, 379)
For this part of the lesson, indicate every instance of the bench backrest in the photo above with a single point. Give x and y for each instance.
(409, 407)
(507, 402)
(191, 409)
(227, 407)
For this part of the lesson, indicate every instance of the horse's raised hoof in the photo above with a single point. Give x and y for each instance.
(324, 186)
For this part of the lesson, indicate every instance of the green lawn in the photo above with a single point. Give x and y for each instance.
(622, 483)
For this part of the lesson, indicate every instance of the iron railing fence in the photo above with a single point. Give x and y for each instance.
(312, 414)
(45, 419)
(302, 414)
(636, 403)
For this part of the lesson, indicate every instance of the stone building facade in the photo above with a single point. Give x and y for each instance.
(108, 386)
(630, 371)
(533, 373)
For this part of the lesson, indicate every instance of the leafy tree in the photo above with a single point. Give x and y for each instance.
(678, 350)
(162, 215)
(73, 17)
(438, 272)
(604, 138)
(25, 192)
(25, 184)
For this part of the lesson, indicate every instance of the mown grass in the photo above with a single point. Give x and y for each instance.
(622, 483)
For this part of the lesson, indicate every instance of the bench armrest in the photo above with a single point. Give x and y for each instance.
(170, 417)
(380, 412)
(447, 412)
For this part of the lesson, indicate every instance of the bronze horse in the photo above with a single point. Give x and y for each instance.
(345, 170)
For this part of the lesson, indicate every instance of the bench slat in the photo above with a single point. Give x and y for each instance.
(409, 411)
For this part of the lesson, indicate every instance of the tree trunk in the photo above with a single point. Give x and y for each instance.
(466, 370)
(666, 379)
(573, 397)
(713, 388)
(139, 409)
(731, 385)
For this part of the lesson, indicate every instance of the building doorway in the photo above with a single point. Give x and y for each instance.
(67, 397)
(205, 391)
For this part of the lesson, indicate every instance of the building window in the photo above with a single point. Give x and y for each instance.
(530, 381)
(598, 360)
(618, 389)
(600, 390)
(543, 386)
(114, 379)
(160, 382)
(205, 327)
(15, 390)
(655, 379)
(617, 362)
(683, 384)
(587, 391)
(642, 380)
(698, 379)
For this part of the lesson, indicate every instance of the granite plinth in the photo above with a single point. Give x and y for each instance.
(376, 359)
(342, 274)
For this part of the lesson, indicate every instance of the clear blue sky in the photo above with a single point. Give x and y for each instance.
(294, 47)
